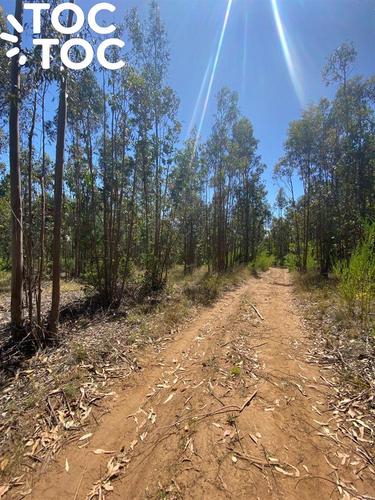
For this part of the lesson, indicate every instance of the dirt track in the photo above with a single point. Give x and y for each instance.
(184, 426)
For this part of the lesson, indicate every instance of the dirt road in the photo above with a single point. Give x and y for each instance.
(233, 408)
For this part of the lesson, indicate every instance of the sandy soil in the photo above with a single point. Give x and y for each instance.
(232, 408)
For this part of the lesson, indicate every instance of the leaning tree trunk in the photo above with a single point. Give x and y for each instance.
(15, 187)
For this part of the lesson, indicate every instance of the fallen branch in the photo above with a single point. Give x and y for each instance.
(248, 401)
(258, 313)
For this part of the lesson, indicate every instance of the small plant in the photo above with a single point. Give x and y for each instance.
(291, 261)
(235, 371)
(205, 292)
(4, 280)
(79, 354)
(231, 420)
(71, 390)
(357, 276)
(263, 261)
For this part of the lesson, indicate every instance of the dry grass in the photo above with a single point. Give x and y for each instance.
(344, 340)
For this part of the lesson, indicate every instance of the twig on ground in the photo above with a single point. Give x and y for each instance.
(258, 313)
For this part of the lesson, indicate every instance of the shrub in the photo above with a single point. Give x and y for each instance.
(291, 261)
(357, 276)
(311, 264)
(205, 292)
(263, 261)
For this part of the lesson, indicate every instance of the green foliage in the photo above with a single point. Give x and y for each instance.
(291, 261)
(311, 263)
(4, 67)
(235, 371)
(357, 276)
(263, 261)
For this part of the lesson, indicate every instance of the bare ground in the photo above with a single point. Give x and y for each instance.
(233, 407)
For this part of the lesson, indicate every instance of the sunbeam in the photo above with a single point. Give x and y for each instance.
(213, 72)
(200, 95)
(288, 56)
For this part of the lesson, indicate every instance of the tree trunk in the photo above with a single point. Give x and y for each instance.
(42, 212)
(15, 186)
(58, 191)
(30, 271)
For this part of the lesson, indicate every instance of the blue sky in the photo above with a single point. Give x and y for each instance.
(272, 53)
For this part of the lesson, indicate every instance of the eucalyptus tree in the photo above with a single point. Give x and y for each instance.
(280, 229)
(331, 150)
(58, 191)
(218, 151)
(248, 169)
(15, 183)
(158, 133)
(186, 192)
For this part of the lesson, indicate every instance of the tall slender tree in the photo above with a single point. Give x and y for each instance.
(58, 196)
(15, 183)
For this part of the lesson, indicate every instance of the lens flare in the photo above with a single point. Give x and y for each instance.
(200, 95)
(289, 56)
(212, 76)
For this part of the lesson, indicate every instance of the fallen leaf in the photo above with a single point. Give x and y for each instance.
(329, 463)
(253, 438)
(286, 473)
(4, 489)
(169, 398)
(24, 493)
(107, 487)
(86, 436)
(3, 464)
(143, 436)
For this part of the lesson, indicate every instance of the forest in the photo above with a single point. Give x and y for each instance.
(120, 197)
(99, 189)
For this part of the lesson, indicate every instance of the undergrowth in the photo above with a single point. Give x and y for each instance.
(263, 261)
(93, 348)
(357, 278)
(345, 338)
(208, 287)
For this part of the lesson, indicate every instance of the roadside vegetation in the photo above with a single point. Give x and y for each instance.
(342, 307)
(326, 236)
